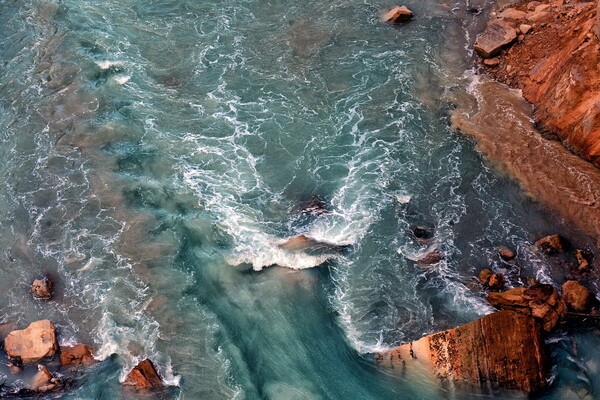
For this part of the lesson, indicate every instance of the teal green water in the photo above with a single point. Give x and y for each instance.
(155, 155)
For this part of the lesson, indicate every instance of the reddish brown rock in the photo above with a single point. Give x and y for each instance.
(541, 301)
(32, 344)
(397, 14)
(496, 282)
(524, 28)
(485, 275)
(431, 257)
(42, 288)
(583, 264)
(491, 62)
(43, 381)
(497, 36)
(577, 297)
(504, 349)
(550, 244)
(144, 376)
(78, 354)
(506, 254)
(512, 14)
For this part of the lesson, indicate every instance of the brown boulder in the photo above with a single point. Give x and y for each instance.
(78, 354)
(498, 35)
(504, 349)
(43, 381)
(485, 275)
(496, 281)
(491, 62)
(583, 264)
(551, 244)
(506, 254)
(42, 288)
(144, 376)
(541, 301)
(524, 28)
(578, 297)
(32, 344)
(397, 14)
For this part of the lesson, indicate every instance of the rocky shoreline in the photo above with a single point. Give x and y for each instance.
(550, 52)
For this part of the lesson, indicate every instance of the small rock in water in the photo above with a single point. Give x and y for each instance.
(578, 297)
(32, 344)
(422, 234)
(583, 264)
(78, 354)
(43, 381)
(144, 376)
(551, 244)
(506, 254)
(431, 257)
(496, 281)
(397, 14)
(485, 275)
(15, 365)
(42, 288)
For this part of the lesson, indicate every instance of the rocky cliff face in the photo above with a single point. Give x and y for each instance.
(504, 349)
(557, 65)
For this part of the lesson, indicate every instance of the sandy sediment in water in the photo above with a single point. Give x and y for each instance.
(502, 127)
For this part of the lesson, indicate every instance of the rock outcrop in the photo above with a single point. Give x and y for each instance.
(144, 376)
(504, 349)
(32, 344)
(552, 244)
(397, 14)
(540, 301)
(78, 354)
(43, 381)
(42, 288)
(498, 35)
(577, 297)
(558, 69)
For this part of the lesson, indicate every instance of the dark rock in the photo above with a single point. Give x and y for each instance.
(422, 234)
(498, 35)
(144, 376)
(397, 14)
(504, 349)
(552, 244)
(78, 354)
(15, 365)
(42, 288)
(431, 257)
(577, 297)
(583, 264)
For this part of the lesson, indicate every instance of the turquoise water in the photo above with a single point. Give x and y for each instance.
(155, 155)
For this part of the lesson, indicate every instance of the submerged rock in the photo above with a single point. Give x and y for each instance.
(303, 242)
(144, 376)
(42, 288)
(577, 297)
(397, 14)
(431, 257)
(498, 35)
(504, 349)
(506, 254)
(32, 344)
(78, 354)
(541, 301)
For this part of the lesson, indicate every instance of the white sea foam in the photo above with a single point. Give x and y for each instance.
(106, 64)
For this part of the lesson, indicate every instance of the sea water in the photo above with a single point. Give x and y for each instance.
(156, 154)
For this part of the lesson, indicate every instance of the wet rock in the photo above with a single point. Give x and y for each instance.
(504, 349)
(43, 381)
(397, 14)
(32, 344)
(15, 366)
(550, 244)
(42, 288)
(577, 297)
(512, 14)
(485, 275)
(422, 234)
(144, 376)
(496, 282)
(303, 242)
(78, 354)
(431, 257)
(506, 254)
(498, 35)
(491, 62)
(583, 264)
(541, 301)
